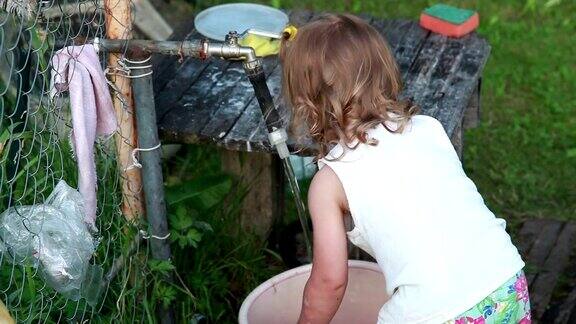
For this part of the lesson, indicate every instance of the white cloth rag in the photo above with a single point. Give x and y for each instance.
(77, 69)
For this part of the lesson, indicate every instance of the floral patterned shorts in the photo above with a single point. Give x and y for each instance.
(509, 304)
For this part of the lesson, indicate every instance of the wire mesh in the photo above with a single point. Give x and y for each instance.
(35, 154)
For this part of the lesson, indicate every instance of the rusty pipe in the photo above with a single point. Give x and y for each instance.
(197, 48)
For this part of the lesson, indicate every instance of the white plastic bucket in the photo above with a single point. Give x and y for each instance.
(279, 299)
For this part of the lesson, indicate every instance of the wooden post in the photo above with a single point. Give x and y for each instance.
(261, 174)
(470, 119)
(472, 113)
(119, 26)
(5, 315)
(458, 140)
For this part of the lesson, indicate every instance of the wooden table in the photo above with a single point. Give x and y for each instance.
(213, 102)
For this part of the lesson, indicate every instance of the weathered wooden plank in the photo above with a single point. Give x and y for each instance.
(405, 38)
(367, 17)
(440, 82)
(249, 133)
(409, 47)
(420, 72)
(382, 27)
(542, 247)
(258, 138)
(567, 311)
(392, 30)
(444, 75)
(457, 140)
(527, 235)
(228, 109)
(184, 78)
(185, 120)
(250, 121)
(472, 112)
(451, 106)
(554, 265)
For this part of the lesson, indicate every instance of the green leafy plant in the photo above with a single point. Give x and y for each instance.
(186, 231)
(214, 260)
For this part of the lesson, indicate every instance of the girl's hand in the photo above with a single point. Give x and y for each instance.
(327, 283)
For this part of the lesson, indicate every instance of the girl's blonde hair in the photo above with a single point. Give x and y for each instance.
(340, 79)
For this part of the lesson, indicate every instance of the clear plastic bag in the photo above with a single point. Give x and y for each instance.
(51, 236)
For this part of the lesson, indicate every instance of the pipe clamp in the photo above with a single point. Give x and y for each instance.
(278, 136)
(252, 65)
(278, 139)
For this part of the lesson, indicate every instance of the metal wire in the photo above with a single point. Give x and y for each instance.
(35, 153)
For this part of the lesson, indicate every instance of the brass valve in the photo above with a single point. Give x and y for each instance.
(232, 38)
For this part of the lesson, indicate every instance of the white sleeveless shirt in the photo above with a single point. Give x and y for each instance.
(417, 213)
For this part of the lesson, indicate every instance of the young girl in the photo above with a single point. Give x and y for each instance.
(443, 253)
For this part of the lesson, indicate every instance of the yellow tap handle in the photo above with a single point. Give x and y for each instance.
(291, 31)
(264, 46)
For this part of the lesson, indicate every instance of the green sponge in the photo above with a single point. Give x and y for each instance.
(448, 20)
(450, 14)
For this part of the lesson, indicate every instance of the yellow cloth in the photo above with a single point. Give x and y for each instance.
(5, 317)
(264, 46)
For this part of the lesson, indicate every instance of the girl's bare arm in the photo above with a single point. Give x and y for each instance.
(327, 283)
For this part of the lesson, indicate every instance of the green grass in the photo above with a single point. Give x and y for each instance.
(522, 157)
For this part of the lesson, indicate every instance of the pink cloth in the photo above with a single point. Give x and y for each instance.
(77, 69)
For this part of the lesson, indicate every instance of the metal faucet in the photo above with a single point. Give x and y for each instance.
(230, 49)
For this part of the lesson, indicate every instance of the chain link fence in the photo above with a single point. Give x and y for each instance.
(104, 278)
